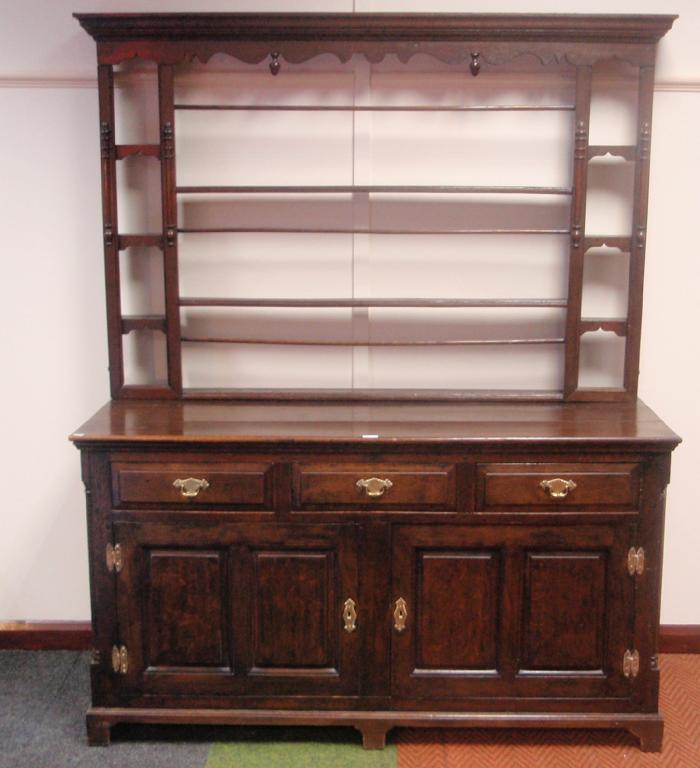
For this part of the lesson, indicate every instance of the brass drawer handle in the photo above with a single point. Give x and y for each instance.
(191, 486)
(558, 488)
(349, 615)
(374, 486)
(400, 615)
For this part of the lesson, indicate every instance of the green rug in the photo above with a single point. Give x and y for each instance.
(299, 748)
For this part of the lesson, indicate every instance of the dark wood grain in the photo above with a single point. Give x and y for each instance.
(602, 28)
(334, 486)
(375, 189)
(236, 485)
(140, 241)
(497, 424)
(110, 227)
(329, 230)
(270, 597)
(143, 322)
(294, 591)
(579, 143)
(563, 632)
(471, 582)
(75, 636)
(639, 229)
(166, 114)
(186, 338)
(194, 301)
(349, 108)
(603, 486)
(185, 617)
(123, 151)
(565, 42)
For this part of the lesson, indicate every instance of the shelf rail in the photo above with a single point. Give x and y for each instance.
(439, 303)
(370, 108)
(367, 343)
(373, 189)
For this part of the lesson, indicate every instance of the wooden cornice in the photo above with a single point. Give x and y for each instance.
(600, 28)
(497, 38)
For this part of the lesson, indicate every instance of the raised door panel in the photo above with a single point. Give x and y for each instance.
(186, 610)
(511, 611)
(471, 579)
(237, 609)
(564, 611)
(293, 598)
(294, 594)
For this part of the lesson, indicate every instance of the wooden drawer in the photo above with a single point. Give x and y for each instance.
(557, 486)
(325, 485)
(238, 485)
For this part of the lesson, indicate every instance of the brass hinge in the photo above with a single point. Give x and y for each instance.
(120, 659)
(630, 664)
(635, 561)
(113, 556)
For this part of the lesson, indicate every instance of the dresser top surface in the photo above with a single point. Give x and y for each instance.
(123, 421)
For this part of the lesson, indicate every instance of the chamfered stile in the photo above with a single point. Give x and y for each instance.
(578, 227)
(639, 229)
(110, 234)
(169, 204)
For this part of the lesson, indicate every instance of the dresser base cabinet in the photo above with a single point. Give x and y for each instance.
(474, 565)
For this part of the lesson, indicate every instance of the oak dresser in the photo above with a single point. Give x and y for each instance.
(377, 556)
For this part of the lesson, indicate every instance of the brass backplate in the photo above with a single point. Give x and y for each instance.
(557, 487)
(374, 486)
(191, 486)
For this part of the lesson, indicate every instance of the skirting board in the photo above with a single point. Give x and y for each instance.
(75, 636)
(45, 635)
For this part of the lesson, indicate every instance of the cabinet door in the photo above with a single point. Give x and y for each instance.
(236, 608)
(511, 611)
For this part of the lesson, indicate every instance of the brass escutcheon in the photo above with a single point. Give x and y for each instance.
(349, 615)
(400, 615)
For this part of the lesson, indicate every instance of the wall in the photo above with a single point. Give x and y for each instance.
(52, 315)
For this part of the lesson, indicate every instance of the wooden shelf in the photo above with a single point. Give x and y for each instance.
(338, 343)
(350, 108)
(568, 47)
(376, 189)
(200, 301)
(361, 231)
